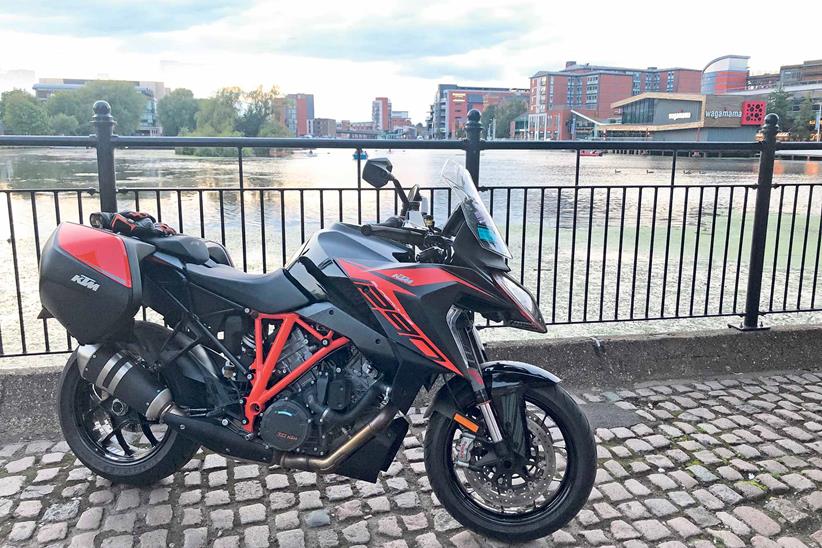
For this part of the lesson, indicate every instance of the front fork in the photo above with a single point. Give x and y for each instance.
(473, 353)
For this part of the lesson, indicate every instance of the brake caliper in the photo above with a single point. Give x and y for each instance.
(463, 449)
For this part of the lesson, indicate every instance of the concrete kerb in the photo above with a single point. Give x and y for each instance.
(28, 390)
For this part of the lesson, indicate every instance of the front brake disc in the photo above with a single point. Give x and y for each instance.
(519, 488)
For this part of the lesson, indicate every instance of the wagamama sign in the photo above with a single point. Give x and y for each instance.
(717, 114)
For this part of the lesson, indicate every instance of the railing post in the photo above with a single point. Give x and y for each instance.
(473, 129)
(760, 224)
(103, 129)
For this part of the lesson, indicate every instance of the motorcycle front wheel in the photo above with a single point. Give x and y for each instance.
(523, 504)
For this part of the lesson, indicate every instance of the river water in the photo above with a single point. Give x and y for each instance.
(654, 250)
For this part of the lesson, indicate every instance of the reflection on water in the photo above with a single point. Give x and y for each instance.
(635, 249)
(50, 168)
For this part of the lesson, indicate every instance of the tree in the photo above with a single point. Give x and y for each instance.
(233, 112)
(177, 112)
(63, 124)
(273, 128)
(68, 103)
(487, 115)
(127, 104)
(780, 103)
(806, 114)
(218, 115)
(504, 113)
(23, 114)
(258, 106)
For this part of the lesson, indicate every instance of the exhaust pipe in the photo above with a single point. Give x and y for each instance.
(113, 371)
(331, 461)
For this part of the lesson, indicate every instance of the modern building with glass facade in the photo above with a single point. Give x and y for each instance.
(685, 117)
(725, 74)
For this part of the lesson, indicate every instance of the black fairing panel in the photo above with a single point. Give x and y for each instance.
(412, 300)
(342, 240)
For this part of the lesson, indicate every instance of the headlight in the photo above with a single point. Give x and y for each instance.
(524, 301)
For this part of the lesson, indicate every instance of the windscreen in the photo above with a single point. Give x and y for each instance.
(477, 217)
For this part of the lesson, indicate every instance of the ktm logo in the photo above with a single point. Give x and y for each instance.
(85, 281)
(403, 278)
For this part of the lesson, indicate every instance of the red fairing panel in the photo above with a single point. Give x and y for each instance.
(381, 295)
(102, 251)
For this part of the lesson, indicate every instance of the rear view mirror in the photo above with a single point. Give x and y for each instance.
(377, 172)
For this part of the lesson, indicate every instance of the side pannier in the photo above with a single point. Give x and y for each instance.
(90, 281)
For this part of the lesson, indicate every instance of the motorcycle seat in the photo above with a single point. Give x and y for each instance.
(188, 248)
(270, 293)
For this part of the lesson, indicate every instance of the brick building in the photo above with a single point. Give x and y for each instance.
(569, 103)
(400, 119)
(449, 112)
(381, 114)
(299, 109)
(322, 127)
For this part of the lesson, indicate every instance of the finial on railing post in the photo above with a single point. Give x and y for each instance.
(759, 236)
(103, 124)
(473, 130)
(770, 128)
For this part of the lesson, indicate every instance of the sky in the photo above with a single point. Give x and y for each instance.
(348, 52)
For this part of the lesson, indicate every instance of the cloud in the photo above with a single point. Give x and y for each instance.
(451, 69)
(405, 36)
(113, 17)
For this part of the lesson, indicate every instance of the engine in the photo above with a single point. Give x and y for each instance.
(317, 410)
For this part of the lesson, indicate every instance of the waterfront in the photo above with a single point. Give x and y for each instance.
(628, 245)
(52, 168)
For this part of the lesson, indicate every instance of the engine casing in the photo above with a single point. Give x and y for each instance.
(285, 425)
(339, 382)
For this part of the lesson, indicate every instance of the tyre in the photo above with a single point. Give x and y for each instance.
(111, 439)
(515, 504)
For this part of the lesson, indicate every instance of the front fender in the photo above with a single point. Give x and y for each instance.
(456, 394)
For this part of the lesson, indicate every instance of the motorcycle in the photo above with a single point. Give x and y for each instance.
(313, 366)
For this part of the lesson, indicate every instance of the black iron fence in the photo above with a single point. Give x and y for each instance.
(590, 253)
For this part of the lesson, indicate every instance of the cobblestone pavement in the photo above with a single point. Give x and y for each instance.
(721, 463)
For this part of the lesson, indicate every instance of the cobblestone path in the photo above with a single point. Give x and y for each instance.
(713, 463)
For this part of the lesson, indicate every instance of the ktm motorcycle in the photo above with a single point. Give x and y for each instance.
(314, 366)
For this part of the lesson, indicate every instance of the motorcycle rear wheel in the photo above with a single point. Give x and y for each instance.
(122, 448)
(502, 508)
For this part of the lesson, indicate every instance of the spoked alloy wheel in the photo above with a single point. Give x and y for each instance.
(514, 491)
(110, 438)
(515, 501)
(112, 429)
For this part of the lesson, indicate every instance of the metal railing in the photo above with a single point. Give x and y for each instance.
(590, 253)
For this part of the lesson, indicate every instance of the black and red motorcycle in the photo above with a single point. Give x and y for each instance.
(313, 366)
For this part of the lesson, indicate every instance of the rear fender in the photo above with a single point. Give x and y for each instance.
(498, 376)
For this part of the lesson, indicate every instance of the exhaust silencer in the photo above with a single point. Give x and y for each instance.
(115, 372)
